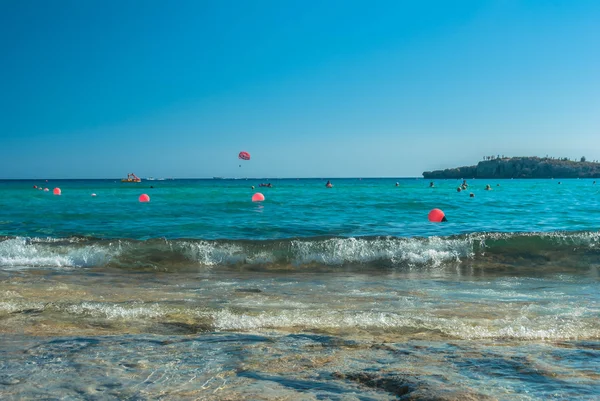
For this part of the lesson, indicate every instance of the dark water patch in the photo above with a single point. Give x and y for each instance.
(205, 337)
(426, 394)
(323, 340)
(179, 328)
(248, 290)
(407, 387)
(9, 381)
(514, 367)
(28, 311)
(594, 345)
(396, 385)
(63, 346)
(296, 384)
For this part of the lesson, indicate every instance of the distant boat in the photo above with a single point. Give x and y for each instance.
(150, 179)
(131, 178)
(218, 178)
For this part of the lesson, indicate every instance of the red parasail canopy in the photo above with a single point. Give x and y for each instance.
(244, 155)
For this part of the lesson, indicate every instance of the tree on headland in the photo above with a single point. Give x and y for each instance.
(582, 159)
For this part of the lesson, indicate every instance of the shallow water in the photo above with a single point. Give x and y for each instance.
(358, 299)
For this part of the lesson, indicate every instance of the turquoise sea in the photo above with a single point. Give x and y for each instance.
(343, 293)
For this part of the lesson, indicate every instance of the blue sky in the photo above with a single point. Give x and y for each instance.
(95, 89)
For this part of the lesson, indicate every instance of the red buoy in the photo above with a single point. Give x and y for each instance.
(258, 197)
(436, 216)
(144, 198)
(56, 191)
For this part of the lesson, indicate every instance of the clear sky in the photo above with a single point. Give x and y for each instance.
(95, 89)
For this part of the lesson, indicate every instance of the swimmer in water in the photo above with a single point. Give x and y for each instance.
(471, 195)
(488, 188)
(458, 189)
(329, 184)
(431, 185)
(397, 184)
(252, 186)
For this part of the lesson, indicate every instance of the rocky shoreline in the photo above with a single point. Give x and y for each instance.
(521, 167)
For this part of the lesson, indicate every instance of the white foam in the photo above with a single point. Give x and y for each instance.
(433, 252)
(23, 253)
(539, 328)
(211, 253)
(16, 306)
(116, 311)
(337, 251)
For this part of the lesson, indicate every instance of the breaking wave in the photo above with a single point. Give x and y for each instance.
(331, 252)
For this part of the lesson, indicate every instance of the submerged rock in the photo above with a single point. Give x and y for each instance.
(9, 381)
(249, 290)
(392, 384)
(410, 388)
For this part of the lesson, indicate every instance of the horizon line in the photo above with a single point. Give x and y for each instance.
(215, 178)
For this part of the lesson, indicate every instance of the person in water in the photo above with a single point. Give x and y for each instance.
(458, 189)
(329, 184)
(431, 185)
(397, 184)
(488, 187)
(471, 195)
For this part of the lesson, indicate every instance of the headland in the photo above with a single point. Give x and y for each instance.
(522, 167)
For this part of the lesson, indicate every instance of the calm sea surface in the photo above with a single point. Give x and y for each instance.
(347, 293)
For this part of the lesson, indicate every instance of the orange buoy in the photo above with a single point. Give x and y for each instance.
(436, 216)
(258, 197)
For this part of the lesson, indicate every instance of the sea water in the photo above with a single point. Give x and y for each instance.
(346, 293)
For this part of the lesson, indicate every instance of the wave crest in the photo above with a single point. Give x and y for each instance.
(333, 252)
